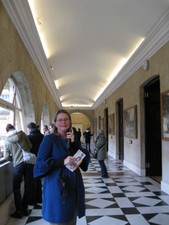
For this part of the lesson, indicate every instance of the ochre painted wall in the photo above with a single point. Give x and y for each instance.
(14, 57)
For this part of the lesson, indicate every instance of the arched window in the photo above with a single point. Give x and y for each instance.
(10, 110)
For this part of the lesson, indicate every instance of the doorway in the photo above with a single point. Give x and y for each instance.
(106, 125)
(153, 129)
(120, 135)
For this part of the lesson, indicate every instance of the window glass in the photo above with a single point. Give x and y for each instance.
(8, 91)
(10, 111)
(6, 116)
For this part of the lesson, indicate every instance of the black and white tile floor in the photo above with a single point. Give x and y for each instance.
(123, 198)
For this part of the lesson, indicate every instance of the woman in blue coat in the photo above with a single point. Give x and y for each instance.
(63, 190)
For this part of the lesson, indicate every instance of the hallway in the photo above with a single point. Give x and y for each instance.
(123, 198)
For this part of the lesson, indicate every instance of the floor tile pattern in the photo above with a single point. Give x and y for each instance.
(121, 199)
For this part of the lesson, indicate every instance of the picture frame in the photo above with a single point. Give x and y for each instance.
(165, 115)
(111, 129)
(102, 124)
(99, 118)
(130, 122)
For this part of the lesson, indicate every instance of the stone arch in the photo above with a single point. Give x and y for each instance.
(89, 114)
(53, 116)
(25, 96)
(89, 121)
(45, 116)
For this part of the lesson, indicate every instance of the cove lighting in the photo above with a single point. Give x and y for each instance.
(57, 84)
(44, 44)
(116, 71)
(38, 24)
(76, 105)
(118, 68)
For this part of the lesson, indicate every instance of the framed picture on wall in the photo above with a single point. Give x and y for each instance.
(99, 122)
(111, 124)
(102, 124)
(130, 122)
(165, 115)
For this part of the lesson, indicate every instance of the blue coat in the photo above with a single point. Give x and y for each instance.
(55, 207)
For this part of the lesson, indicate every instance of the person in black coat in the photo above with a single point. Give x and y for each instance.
(76, 136)
(79, 135)
(36, 137)
(87, 135)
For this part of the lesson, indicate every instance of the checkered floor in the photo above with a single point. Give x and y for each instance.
(122, 198)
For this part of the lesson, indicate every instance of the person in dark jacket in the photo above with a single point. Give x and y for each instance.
(87, 135)
(101, 147)
(76, 136)
(79, 135)
(14, 141)
(63, 190)
(35, 191)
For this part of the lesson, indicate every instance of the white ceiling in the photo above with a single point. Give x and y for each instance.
(88, 41)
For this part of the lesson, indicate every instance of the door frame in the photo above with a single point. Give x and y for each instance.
(118, 155)
(142, 124)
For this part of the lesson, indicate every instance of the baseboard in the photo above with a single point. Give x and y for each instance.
(165, 187)
(137, 170)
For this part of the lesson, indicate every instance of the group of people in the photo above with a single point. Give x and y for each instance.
(49, 130)
(14, 143)
(63, 190)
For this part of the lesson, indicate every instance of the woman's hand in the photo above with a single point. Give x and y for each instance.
(70, 135)
(69, 160)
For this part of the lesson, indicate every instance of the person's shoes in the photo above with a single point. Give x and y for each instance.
(16, 214)
(25, 212)
(39, 200)
(105, 176)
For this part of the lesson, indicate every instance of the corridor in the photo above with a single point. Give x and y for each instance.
(123, 198)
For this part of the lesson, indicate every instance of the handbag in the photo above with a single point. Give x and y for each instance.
(28, 157)
(95, 153)
(65, 184)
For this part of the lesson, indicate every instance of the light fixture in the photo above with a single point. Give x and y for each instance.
(75, 105)
(37, 23)
(51, 67)
(146, 65)
(57, 84)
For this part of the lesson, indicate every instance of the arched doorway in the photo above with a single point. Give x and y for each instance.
(45, 117)
(80, 120)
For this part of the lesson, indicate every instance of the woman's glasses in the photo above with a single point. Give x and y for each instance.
(62, 120)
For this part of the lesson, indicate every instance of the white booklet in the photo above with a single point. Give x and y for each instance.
(78, 157)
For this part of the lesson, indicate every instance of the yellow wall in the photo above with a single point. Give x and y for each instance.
(131, 94)
(14, 57)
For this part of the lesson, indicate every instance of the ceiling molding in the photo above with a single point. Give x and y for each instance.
(20, 14)
(158, 37)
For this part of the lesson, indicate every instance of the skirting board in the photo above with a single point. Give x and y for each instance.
(165, 187)
(137, 170)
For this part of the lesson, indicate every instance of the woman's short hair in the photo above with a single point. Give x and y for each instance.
(31, 125)
(9, 127)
